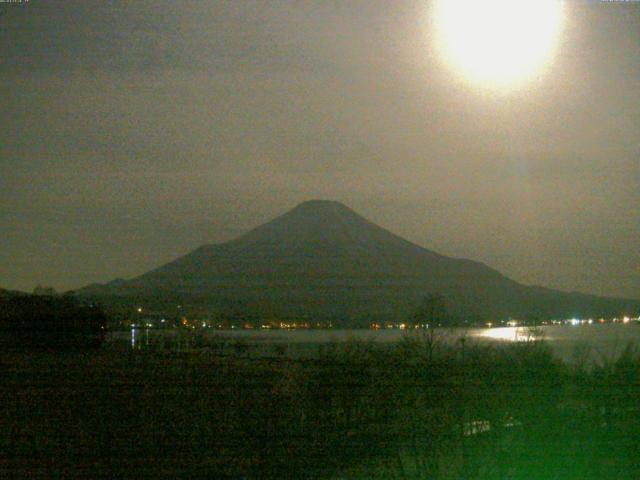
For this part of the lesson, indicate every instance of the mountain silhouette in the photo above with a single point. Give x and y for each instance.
(322, 260)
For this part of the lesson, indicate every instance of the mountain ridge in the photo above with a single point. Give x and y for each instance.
(322, 259)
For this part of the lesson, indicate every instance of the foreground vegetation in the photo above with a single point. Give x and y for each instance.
(421, 409)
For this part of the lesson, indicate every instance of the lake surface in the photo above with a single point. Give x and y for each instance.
(568, 342)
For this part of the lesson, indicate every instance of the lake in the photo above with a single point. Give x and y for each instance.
(569, 342)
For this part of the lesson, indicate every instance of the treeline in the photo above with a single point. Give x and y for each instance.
(50, 321)
(422, 409)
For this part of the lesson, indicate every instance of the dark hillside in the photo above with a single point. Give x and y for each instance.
(323, 260)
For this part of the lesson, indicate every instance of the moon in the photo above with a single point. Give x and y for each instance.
(498, 43)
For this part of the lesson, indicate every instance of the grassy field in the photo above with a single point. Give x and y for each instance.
(417, 409)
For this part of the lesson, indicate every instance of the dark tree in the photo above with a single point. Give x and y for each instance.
(50, 321)
(431, 314)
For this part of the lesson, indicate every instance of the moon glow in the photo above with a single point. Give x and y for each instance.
(498, 42)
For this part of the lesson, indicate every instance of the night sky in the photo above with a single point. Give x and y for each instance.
(133, 132)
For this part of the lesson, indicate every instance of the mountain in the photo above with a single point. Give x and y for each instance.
(322, 260)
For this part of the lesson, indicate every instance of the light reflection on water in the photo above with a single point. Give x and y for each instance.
(512, 334)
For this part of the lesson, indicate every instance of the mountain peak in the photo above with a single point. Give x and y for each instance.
(311, 222)
(311, 206)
